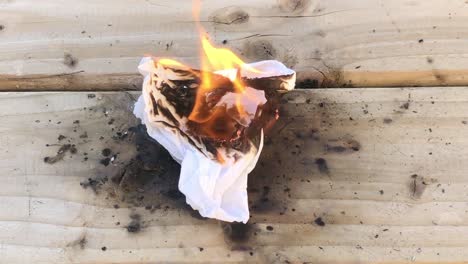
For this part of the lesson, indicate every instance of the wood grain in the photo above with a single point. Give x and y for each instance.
(383, 169)
(98, 44)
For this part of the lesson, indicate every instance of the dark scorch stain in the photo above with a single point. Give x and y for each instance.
(69, 60)
(319, 221)
(61, 153)
(175, 194)
(337, 149)
(387, 120)
(262, 203)
(149, 179)
(346, 144)
(106, 152)
(135, 224)
(237, 232)
(105, 162)
(94, 183)
(322, 166)
(405, 106)
(418, 184)
(307, 83)
(416, 188)
(80, 242)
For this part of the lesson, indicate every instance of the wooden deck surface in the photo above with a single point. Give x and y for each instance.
(50, 45)
(347, 176)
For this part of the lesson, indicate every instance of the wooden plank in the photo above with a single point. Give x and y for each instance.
(383, 169)
(97, 45)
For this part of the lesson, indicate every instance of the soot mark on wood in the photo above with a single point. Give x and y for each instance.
(307, 84)
(262, 197)
(94, 183)
(319, 221)
(175, 194)
(322, 166)
(407, 104)
(70, 60)
(418, 184)
(80, 242)
(135, 224)
(61, 153)
(342, 145)
(387, 120)
(416, 187)
(237, 235)
(105, 161)
(106, 152)
(84, 135)
(150, 178)
(334, 77)
(261, 202)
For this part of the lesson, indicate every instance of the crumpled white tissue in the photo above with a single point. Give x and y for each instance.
(216, 190)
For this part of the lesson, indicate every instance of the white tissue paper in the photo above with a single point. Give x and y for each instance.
(216, 190)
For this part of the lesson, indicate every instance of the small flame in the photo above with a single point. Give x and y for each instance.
(216, 59)
(217, 121)
(219, 157)
(170, 62)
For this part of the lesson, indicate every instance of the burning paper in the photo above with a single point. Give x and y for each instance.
(212, 122)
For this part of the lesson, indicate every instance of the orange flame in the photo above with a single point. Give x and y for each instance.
(217, 59)
(214, 59)
(170, 62)
(215, 121)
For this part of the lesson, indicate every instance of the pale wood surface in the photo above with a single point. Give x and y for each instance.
(374, 210)
(357, 43)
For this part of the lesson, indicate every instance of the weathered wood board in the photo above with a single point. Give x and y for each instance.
(346, 176)
(87, 44)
